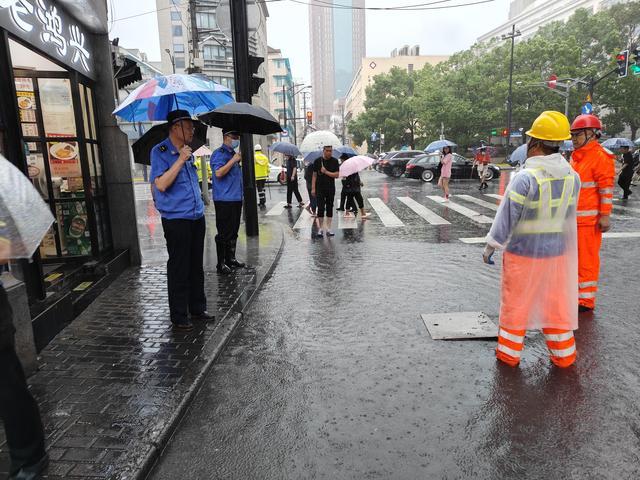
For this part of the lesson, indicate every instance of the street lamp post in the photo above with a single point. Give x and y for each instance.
(173, 60)
(512, 36)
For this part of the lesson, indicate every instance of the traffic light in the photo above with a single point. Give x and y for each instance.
(494, 131)
(635, 61)
(309, 117)
(254, 81)
(552, 83)
(623, 63)
(505, 132)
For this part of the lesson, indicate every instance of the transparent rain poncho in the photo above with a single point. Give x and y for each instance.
(536, 227)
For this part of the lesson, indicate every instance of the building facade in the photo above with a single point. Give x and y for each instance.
(338, 43)
(529, 15)
(280, 86)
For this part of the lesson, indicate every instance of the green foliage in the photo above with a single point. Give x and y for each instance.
(468, 93)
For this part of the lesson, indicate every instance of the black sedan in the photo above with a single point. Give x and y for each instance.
(426, 167)
(394, 163)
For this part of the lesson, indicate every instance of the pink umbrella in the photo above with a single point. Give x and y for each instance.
(354, 165)
(202, 151)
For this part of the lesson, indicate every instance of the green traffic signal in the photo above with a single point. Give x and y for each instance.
(635, 69)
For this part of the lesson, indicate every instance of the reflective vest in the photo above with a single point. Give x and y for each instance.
(597, 171)
(548, 213)
(261, 165)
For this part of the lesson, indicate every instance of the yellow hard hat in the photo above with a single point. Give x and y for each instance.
(551, 126)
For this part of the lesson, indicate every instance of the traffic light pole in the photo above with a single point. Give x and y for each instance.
(511, 36)
(240, 39)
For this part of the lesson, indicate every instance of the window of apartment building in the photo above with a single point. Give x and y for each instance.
(178, 48)
(280, 81)
(179, 62)
(175, 16)
(205, 20)
(177, 30)
(410, 68)
(279, 63)
(213, 52)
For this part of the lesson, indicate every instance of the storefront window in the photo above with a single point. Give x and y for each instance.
(57, 107)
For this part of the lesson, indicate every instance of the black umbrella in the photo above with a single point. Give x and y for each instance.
(142, 147)
(242, 118)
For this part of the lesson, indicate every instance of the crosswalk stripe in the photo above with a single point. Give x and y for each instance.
(387, 217)
(478, 201)
(277, 209)
(625, 208)
(467, 212)
(473, 240)
(494, 195)
(346, 223)
(423, 211)
(305, 220)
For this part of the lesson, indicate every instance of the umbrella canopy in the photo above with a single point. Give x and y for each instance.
(637, 142)
(142, 147)
(519, 155)
(439, 145)
(243, 118)
(346, 150)
(312, 156)
(285, 148)
(617, 142)
(354, 165)
(202, 151)
(154, 99)
(567, 146)
(316, 140)
(24, 217)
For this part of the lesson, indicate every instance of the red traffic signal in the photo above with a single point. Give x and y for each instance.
(309, 117)
(622, 60)
(505, 132)
(552, 82)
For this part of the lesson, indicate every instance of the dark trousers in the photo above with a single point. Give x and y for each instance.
(292, 188)
(325, 202)
(352, 199)
(313, 201)
(185, 273)
(343, 199)
(261, 195)
(228, 216)
(18, 410)
(625, 182)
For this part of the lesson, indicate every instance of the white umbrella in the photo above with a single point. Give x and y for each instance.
(24, 216)
(316, 140)
(202, 151)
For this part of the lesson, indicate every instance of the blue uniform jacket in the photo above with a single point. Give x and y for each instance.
(183, 199)
(228, 188)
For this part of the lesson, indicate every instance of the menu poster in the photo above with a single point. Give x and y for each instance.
(37, 174)
(24, 84)
(64, 160)
(27, 106)
(33, 146)
(29, 129)
(57, 107)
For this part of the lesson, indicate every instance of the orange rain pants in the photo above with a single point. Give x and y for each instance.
(520, 298)
(589, 241)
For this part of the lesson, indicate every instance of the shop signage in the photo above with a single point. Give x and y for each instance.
(49, 28)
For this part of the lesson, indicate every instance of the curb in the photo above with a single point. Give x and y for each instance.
(212, 349)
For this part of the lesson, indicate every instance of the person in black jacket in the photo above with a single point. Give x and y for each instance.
(624, 180)
(352, 186)
(292, 182)
(308, 178)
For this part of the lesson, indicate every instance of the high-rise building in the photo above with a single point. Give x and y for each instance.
(338, 44)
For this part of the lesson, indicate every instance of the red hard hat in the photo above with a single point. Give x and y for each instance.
(586, 121)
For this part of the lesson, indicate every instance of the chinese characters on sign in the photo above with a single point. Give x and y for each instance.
(55, 30)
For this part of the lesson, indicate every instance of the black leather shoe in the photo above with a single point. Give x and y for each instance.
(223, 269)
(183, 327)
(203, 317)
(233, 263)
(583, 309)
(32, 472)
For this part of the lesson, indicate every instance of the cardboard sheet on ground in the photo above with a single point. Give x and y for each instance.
(459, 325)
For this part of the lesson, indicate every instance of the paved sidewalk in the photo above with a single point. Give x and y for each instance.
(114, 383)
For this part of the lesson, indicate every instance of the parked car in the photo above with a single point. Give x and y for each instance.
(394, 163)
(277, 174)
(426, 167)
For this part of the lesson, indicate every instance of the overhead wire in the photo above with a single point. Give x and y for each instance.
(401, 8)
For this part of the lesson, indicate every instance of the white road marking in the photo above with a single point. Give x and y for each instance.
(494, 195)
(277, 209)
(346, 223)
(305, 220)
(387, 217)
(423, 211)
(474, 240)
(625, 208)
(467, 212)
(478, 201)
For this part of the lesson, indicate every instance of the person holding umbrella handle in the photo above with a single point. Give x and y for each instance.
(176, 193)
(326, 170)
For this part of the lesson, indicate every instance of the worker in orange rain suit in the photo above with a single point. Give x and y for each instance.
(536, 227)
(596, 167)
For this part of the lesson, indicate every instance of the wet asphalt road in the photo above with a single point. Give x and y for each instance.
(332, 374)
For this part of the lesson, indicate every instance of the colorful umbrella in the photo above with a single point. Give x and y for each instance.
(439, 145)
(354, 165)
(24, 217)
(154, 99)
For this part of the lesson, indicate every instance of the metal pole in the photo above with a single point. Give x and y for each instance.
(295, 116)
(566, 103)
(304, 114)
(240, 39)
(284, 106)
(509, 98)
(194, 37)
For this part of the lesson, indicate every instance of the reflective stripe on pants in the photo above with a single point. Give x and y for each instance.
(561, 345)
(589, 242)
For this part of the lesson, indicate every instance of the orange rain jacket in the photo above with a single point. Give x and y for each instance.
(596, 167)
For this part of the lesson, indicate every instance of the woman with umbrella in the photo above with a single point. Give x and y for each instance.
(445, 173)
(626, 174)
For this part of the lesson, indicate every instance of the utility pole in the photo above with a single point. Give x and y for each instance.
(194, 37)
(304, 119)
(514, 33)
(295, 114)
(242, 74)
(344, 131)
(284, 107)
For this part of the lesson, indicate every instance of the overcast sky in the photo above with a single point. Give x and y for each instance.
(436, 31)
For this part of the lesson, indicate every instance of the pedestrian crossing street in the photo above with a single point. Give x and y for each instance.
(480, 210)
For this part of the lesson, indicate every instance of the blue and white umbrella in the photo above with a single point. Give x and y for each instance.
(312, 156)
(439, 145)
(519, 155)
(285, 148)
(567, 146)
(155, 98)
(346, 150)
(617, 142)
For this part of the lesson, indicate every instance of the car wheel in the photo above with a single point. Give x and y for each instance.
(489, 175)
(396, 172)
(426, 176)
(282, 178)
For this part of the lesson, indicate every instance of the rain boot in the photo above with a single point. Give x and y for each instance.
(222, 267)
(231, 260)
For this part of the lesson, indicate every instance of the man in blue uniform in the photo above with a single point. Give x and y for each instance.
(227, 198)
(177, 197)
